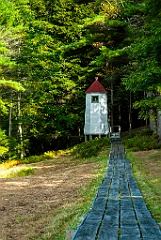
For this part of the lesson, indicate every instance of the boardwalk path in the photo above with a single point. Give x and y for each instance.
(118, 210)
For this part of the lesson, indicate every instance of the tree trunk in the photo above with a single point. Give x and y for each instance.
(10, 119)
(20, 130)
(130, 113)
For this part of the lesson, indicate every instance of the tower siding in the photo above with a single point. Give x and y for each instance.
(96, 114)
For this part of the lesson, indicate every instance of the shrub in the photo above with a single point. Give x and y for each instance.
(50, 154)
(143, 140)
(55, 154)
(33, 159)
(3, 144)
(90, 148)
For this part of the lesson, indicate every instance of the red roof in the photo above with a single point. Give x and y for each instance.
(96, 86)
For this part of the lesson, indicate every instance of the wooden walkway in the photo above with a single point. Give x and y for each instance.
(118, 210)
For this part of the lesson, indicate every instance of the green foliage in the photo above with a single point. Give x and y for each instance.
(90, 148)
(3, 143)
(141, 141)
(3, 106)
(55, 154)
(11, 84)
(144, 70)
(46, 156)
(54, 49)
(84, 150)
(33, 159)
(7, 12)
(146, 105)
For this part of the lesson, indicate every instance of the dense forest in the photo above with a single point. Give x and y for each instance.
(51, 51)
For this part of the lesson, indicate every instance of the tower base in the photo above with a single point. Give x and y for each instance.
(90, 137)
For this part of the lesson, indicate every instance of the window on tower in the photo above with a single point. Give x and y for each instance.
(95, 99)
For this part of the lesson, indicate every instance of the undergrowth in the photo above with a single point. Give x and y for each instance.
(90, 148)
(81, 151)
(146, 139)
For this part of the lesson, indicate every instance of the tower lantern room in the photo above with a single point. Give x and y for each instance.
(96, 112)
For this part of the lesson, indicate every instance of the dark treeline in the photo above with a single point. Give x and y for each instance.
(50, 52)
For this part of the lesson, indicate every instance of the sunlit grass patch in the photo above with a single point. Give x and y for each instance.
(56, 154)
(14, 168)
(18, 171)
(8, 164)
(46, 156)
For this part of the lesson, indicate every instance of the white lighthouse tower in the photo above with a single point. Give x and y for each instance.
(96, 112)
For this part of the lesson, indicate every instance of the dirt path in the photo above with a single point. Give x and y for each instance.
(26, 203)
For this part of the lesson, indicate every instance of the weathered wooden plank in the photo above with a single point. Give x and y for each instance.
(103, 190)
(86, 232)
(109, 173)
(139, 203)
(118, 210)
(127, 218)
(115, 182)
(108, 233)
(102, 194)
(130, 233)
(124, 189)
(113, 193)
(126, 203)
(99, 204)
(113, 203)
(93, 218)
(148, 227)
(134, 189)
(143, 213)
(107, 181)
(150, 232)
(111, 218)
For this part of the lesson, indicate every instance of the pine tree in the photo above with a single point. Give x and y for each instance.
(145, 70)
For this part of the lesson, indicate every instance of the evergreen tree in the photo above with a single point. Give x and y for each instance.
(56, 48)
(145, 70)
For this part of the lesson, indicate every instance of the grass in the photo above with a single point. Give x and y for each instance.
(146, 167)
(18, 171)
(71, 214)
(13, 168)
(145, 158)
(143, 148)
(81, 152)
(16, 168)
